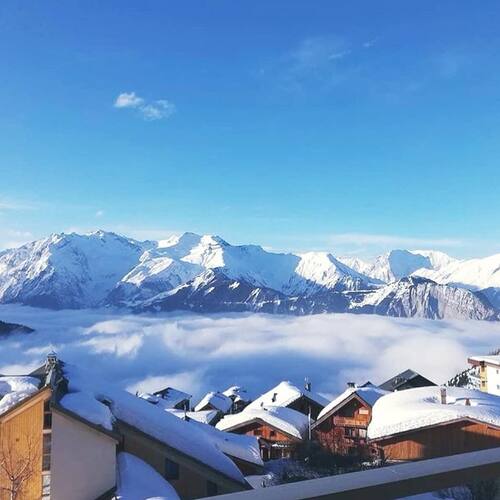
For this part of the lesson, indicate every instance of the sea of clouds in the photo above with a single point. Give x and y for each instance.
(196, 353)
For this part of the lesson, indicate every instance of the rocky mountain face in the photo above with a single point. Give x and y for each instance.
(205, 273)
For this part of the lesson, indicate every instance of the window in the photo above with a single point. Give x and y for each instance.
(272, 433)
(46, 486)
(212, 489)
(257, 432)
(47, 444)
(363, 411)
(171, 469)
(47, 416)
(362, 433)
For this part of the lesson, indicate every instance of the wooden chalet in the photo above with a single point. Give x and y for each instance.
(409, 379)
(432, 422)
(215, 401)
(280, 430)
(288, 395)
(239, 397)
(342, 426)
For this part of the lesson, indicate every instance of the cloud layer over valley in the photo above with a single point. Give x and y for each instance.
(196, 353)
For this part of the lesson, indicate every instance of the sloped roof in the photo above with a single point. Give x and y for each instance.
(172, 397)
(152, 421)
(289, 421)
(216, 400)
(412, 409)
(490, 360)
(15, 389)
(284, 394)
(369, 393)
(402, 378)
(203, 416)
(237, 393)
(167, 398)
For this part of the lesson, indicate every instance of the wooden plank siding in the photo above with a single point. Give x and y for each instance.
(273, 443)
(344, 431)
(438, 441)
(21, 433)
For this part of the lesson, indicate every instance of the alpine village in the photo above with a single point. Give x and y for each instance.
(66, 435)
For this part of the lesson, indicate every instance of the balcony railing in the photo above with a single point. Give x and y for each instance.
(394, 481)
(350, 422)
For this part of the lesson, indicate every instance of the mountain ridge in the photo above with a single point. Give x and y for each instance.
(206, 273)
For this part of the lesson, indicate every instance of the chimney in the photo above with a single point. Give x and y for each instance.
(467, 402)
(307, 384)
(443, 395)
(351, 385)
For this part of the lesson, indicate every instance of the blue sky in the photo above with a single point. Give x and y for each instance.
(345, 126)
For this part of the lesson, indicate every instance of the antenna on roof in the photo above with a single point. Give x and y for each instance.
(307, 384)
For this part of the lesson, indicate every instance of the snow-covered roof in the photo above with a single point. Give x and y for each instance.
(284, 419)
(203, 416)
(236, 445)
(413, 409)
(151, 420)
(368, 393)
(394, 383)
(15, 389)
(284, 394)
(167, 399)
(172, 396)
(135, 480)
(489, 360)
(216, 400)
(89, 408)
(237, 393)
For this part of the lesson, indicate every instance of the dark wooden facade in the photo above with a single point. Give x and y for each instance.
(442, 440)
(273, 442)
(344, 431)
(305, 405)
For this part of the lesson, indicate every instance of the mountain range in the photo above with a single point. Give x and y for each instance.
(205, 273)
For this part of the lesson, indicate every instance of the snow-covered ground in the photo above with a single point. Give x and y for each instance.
(197, 353)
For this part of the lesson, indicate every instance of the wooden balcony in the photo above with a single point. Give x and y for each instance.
(350, 422)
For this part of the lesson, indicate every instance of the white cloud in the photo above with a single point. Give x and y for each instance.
(128, 100)
(184, 381)
(12, 238)
(158, 110)
(99, 213)
(198, 353)
(150, 111)
(393, 241)
(317, 53)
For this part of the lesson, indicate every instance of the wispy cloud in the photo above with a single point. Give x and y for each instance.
(150, 110)
(367, 245)
(12, 238)
(12, 205)
(99, 214)
(394, 241)
(315, 59)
